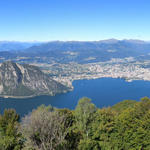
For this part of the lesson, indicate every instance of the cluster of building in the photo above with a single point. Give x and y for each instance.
(66, 73)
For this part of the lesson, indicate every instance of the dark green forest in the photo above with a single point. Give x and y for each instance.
(124, 126)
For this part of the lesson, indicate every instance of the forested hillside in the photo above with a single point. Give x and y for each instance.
(124, 126)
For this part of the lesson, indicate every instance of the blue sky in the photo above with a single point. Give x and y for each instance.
(47, 20)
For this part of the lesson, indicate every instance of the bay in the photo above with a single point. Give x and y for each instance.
(104, 92)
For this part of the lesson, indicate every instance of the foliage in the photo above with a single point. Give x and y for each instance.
(119, 107)
(9, 137)
(84, 115)
(45, 129)
(103, 127)
(124, 126)
(132, 127)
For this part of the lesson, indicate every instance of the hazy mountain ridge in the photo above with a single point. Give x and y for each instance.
(18, 80)
(80, 51)
(16, 45)
(99, 50)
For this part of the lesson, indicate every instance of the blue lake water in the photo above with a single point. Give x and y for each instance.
(103, 92)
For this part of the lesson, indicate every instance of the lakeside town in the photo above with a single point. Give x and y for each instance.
(128, 69)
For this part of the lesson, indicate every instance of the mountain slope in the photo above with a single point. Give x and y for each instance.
(80, 52)
(18, 80)
(64, 52)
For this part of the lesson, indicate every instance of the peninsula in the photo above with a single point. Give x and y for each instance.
(24, 81)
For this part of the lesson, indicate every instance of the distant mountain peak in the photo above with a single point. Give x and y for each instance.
(109, 41)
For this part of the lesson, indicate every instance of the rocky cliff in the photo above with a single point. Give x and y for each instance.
(22, 80)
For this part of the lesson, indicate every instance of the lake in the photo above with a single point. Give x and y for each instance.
(103, 92)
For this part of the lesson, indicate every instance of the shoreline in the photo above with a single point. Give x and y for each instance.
(71, 80)
(17, 97)
(31, 96)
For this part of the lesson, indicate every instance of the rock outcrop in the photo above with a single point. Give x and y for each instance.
(22, 80)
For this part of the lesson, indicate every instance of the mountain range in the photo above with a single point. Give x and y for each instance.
(79, 51)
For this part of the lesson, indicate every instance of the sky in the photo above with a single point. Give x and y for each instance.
(80, 20)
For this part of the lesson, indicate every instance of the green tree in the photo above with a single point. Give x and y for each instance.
(88, 144)
(103, 128)
(132, 127)
(84, 112)
(10, 139)
(72, 138)
(84, 115)
(121, 106)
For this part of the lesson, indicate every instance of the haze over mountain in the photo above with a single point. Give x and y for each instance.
(80, 51)
(90, 51)
(16, 45)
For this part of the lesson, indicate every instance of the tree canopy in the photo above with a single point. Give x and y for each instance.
(124, 126)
